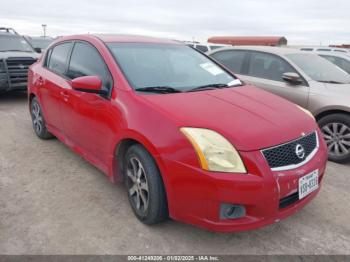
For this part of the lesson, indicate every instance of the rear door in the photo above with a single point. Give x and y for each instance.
(265, 70)
(50, 81)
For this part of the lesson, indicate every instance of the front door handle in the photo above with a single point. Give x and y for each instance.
(65, 95)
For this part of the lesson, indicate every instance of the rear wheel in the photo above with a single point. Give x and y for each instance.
(336, 132)
(38, 120)
(145, 186)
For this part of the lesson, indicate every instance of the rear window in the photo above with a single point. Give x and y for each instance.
(341, 51)
(202, 48)
(231, 59)
(213, 47)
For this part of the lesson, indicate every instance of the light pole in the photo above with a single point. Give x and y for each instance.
(44, 29)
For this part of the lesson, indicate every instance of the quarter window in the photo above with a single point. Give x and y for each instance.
(268, 66)
(231, 59)
(58, 58)
(86, 61)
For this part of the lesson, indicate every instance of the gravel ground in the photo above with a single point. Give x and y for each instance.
(54, 202)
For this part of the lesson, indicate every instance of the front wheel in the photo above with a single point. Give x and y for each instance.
(336, 132)
(145, 186)
(38, 120)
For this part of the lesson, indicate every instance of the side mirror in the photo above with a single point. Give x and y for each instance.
(37, 49)
(89, 84)
(292, 78)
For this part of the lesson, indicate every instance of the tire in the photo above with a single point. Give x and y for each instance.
(144, 185)
(38, 120)
(336, 132)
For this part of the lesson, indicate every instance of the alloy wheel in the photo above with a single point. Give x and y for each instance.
(37, 117)
(337, 136)
(137, 185)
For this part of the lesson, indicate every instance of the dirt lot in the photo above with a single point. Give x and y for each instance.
(54, 202)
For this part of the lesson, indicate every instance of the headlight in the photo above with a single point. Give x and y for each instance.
(306, 111)
(215, 153)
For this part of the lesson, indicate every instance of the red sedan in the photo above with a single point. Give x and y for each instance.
(188, 138)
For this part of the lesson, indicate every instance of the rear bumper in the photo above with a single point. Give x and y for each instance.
(195, 195)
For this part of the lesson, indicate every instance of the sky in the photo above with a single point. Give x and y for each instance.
(307, 22)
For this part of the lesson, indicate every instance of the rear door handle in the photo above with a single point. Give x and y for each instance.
(40, 81)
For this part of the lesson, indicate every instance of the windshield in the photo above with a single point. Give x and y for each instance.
(319, 69)
(40, 43)
(167, 65)
(14, 43)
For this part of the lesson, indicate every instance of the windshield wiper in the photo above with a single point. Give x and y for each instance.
(331, 82)
(14, 50)
(159, 89)
(208, 87)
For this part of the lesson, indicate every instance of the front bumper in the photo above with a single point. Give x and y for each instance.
(195, 195)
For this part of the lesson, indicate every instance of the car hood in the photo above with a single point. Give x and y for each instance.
(5, 55)
(338, 89)
(248, 117)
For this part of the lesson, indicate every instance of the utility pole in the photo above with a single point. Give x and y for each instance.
(44, 29)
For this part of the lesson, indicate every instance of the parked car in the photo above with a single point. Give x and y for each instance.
(303, 78)
(185, 135)
(324, 49)
(16, 55)
(39, 43)
(205, 47)
(340, 60)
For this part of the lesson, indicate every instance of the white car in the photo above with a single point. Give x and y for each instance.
(324, 49)
(205, 47)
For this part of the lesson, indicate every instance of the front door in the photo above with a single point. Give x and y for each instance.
(87, 117)
(266, 70)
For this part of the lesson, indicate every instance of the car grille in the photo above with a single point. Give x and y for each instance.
(17, 68)
(293, 154)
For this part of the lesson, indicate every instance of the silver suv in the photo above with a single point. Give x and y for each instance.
(303, 78)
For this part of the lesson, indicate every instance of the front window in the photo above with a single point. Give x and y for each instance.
(319, 69)
(268, 66)
(175, 66)
(14, 43)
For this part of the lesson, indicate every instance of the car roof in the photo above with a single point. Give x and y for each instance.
(268, 49)
(323, 47)
(134, 39)
(116, 38)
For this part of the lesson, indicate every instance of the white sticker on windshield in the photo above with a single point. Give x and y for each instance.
(235, 82)
(212, 68)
